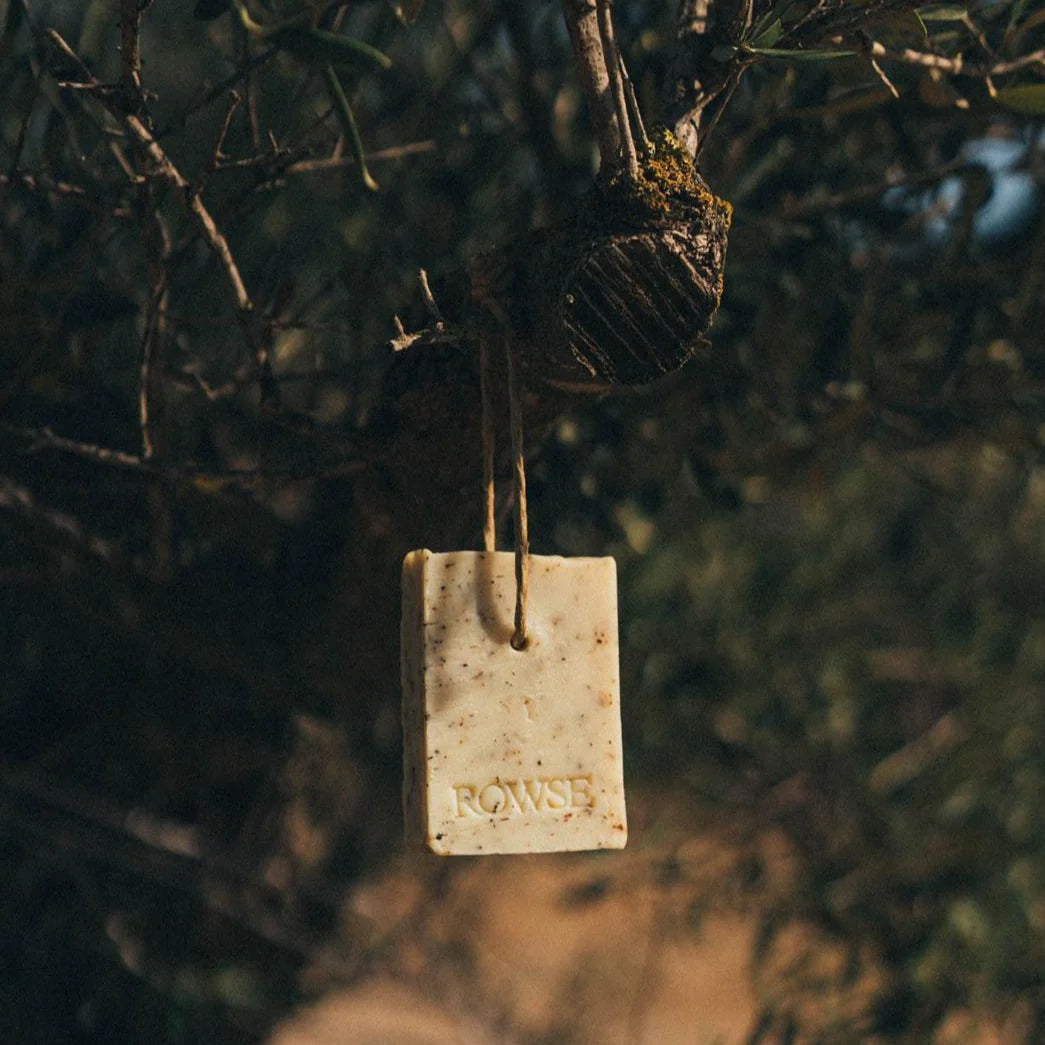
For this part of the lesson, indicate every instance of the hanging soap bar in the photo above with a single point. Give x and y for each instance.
(511, 751)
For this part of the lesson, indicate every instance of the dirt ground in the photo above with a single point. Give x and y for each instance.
(654, 945)
(650, 945)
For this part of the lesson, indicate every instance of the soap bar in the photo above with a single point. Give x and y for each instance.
(505, 750)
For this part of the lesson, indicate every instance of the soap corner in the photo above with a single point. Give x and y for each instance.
(438, 844)
(414, 561)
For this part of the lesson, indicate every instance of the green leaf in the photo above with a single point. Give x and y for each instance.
(1014, 16)
(318, 45)
(347, 119)
(777, 13)
(1027, 99)
(768, 36)
(942, 13)
(1032, 22)
(792, 55)
(771, 26)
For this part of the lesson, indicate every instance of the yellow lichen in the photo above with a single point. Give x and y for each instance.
(667, 176)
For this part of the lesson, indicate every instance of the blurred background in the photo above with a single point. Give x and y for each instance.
(830, 535)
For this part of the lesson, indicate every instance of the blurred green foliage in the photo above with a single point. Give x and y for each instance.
(831, 532)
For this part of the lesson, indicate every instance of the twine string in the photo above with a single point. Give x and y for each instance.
(489, 520)
(520, 639)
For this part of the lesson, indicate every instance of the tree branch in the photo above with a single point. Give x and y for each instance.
(164, 170)
(696, 79)
(130, 47)
(957, 66)
(582, 23)
(335, 163)
(19, 502)
(151, 388)
(611, 58)
(45, 439)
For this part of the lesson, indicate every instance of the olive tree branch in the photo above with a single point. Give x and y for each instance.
(20, 503)
(612, 60)
(42, 439)
(130, 47)
(698, 81)
(582, 23)
(164, 169)
(957, 66)
(151, 407)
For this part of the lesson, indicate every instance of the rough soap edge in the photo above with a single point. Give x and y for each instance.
(412, 710)
(620, 839)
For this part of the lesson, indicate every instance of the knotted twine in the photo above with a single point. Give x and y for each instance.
(520, 639)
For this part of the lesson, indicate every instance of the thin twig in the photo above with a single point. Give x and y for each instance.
(130, 48)
(957, 66)
(697, 86)
(333, 163)
(165, 170)
(171, 838)
(722, 99)
(42, 181)
(429, 299)
(151, 407)
(611, 56)
(217, 91)
(880, 73)
(44, 439)
(217, 156)
(126, 849)
(20, 502)
(245, 44)
(817, 204)
(203, 320)
(634, 112)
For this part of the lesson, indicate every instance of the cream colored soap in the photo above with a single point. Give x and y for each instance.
(511, 751)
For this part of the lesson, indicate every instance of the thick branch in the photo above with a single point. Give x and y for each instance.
(583, 25)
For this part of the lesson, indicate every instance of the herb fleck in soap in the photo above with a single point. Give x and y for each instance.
(511, 751)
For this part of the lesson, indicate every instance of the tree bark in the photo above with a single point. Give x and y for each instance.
(582, 23)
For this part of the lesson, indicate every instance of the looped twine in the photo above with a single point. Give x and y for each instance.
(520, 639)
